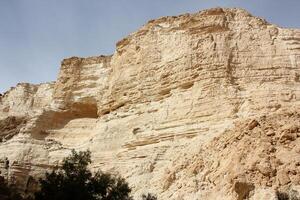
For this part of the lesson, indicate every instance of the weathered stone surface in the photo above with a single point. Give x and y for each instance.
(25, 99)
(187, 107)
(10, 126)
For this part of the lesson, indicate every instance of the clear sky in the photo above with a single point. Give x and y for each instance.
(35, 35)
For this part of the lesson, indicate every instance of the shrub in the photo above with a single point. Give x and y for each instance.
(75, 182)
(291, 195)
(8, 192)
(149, 196)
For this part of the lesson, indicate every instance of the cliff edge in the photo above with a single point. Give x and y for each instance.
(196, 106)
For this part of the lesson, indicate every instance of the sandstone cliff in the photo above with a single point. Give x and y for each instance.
(197, 106)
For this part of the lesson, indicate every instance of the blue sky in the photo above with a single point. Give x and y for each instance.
(35, 35)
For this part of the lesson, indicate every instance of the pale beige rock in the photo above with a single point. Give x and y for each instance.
(187, 107)
(26, 99)
(264, 194)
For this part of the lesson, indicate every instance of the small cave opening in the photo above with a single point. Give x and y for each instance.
(51, 120)
(84, 110)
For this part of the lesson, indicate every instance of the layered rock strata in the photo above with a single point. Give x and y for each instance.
(195, 106)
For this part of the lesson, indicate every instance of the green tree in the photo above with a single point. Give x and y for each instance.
(75, 182)
(8, 192)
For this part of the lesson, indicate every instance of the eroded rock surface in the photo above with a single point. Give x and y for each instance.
(197, 106)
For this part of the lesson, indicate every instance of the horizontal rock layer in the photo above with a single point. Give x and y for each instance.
(171, 109)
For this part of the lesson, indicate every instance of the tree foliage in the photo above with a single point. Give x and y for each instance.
(8, 192)
(75, 182)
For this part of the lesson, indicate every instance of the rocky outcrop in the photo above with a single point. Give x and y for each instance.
(81, 81)
(257, 154)
(25, 100)
(10, 126)
(195, 106)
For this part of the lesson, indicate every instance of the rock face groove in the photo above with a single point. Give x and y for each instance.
(197, 106)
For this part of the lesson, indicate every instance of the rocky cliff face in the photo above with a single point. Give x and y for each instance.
(197, 106)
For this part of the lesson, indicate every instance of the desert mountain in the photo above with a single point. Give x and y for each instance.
(196, 106)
